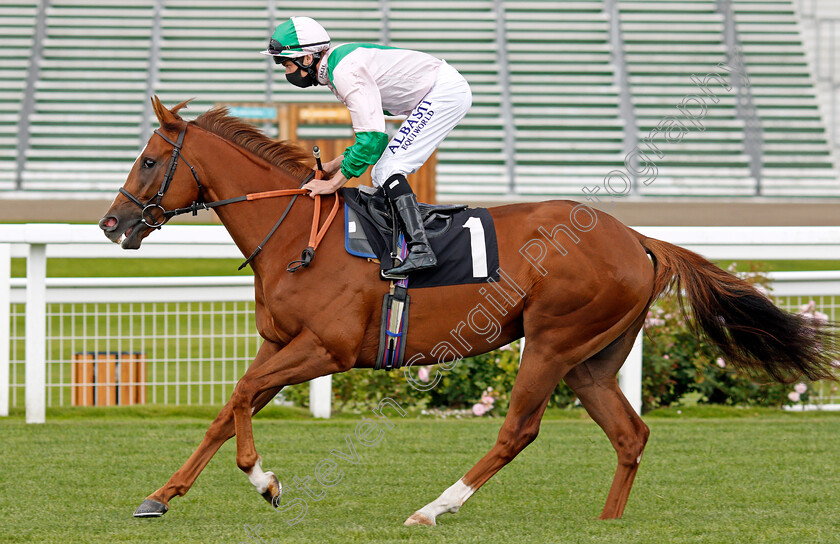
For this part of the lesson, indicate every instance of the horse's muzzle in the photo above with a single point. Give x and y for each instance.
(114, 229)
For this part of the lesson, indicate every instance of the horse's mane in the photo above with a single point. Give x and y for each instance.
(284, 154)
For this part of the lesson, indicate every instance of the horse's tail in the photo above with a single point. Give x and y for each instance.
(754, 335)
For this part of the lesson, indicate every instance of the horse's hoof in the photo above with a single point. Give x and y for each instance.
(419, 519)
(150, 509)
(273, 491)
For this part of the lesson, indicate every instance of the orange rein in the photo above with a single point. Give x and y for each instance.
(316, 234)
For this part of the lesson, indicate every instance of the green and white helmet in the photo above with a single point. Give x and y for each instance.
(297, 37)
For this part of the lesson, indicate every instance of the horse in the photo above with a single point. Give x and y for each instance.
(578, 285)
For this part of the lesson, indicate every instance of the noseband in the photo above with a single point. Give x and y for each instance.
(154, 203)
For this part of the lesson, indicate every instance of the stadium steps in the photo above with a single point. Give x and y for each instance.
(797, 159)
(84, 132)
(665, 43)
(209, 51)
(346, 21)
(90, 97)
(464, 34)
(17, 27)
(565, 101)
(819, 22)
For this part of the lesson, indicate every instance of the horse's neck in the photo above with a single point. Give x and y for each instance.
(231, 173)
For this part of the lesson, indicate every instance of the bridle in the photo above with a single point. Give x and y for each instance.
(154, 203)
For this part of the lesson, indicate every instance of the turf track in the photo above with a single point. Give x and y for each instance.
(736, 476)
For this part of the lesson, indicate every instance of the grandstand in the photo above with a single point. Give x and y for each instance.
(17, 26)
(797, 159)
(564, 94)
(89, 95)
(664, 44)
(563, 91)
(820, 30)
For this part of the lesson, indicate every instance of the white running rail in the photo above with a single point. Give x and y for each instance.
(39, 242)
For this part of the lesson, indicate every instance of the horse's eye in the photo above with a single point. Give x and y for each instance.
(148, 163)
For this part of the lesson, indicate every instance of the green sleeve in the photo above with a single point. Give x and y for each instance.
(364, 152)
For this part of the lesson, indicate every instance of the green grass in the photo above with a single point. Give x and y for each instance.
(785, 266)
(711, 476)
(127, 268)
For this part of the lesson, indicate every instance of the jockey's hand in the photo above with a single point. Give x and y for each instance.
(325, 186)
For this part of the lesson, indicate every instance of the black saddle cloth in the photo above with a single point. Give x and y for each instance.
(453, 232)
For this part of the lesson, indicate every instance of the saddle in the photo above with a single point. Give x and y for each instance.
(463, 238)
(373, 203)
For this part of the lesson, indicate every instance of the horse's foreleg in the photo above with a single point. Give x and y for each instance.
(220, 431)
(303, 359)
(594, 382)
(533, 387)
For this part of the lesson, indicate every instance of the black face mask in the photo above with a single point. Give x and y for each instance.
(304, 76)
(301, 79)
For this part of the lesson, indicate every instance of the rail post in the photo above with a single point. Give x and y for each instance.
(36, 333)
(320, 396)
(5, 325)
(630, 375)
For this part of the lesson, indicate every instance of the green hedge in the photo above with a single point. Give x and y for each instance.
(676, 362)
(461, 387)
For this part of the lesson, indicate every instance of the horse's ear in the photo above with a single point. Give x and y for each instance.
(182, 105)
(165, 117)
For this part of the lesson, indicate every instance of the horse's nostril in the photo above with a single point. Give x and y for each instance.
(108, 223)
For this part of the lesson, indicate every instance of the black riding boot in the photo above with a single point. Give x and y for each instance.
(420, 255)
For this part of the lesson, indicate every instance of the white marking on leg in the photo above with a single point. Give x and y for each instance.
(450, 500)
(259, 478)
(639, 459)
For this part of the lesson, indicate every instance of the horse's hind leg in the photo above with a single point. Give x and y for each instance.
(534, 384)
(594, 382)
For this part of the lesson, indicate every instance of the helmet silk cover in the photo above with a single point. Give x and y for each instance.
(297, 37)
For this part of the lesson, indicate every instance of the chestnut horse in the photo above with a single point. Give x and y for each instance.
(577, 285)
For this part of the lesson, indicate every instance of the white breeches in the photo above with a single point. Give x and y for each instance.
(426, 126)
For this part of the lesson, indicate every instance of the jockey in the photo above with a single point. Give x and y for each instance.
(372, 81)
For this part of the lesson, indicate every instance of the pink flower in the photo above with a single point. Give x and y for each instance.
(793, 396)
(808, 308)
(800, 388)
(479, 409)
(423, 374)
(506, 347)
(721, 363)
(666, 356)
(487, 399)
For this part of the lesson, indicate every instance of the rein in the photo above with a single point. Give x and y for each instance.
(316, 234)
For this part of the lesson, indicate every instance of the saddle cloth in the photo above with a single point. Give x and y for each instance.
(463, 239)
